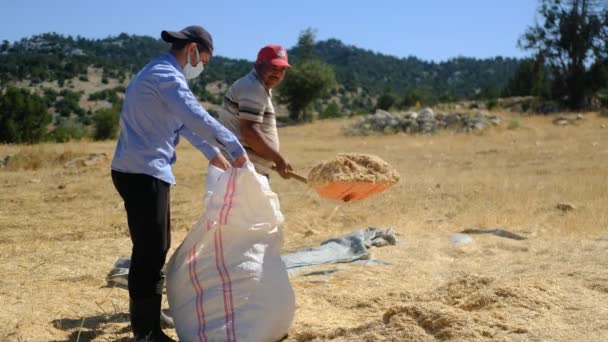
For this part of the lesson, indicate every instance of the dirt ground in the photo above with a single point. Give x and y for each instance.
(62, 226)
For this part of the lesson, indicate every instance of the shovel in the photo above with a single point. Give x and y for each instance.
(341, 190)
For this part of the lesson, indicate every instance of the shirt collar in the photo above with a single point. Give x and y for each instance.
(171, 59)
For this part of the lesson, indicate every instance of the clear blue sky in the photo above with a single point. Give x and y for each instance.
(429, 29)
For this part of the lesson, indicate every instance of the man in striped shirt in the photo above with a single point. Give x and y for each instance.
(249, 113)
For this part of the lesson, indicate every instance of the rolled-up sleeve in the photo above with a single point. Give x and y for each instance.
(181, 102)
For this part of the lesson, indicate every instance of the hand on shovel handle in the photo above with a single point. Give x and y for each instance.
(283, 167)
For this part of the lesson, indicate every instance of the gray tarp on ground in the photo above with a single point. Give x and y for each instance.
(348, 248)
(352, 247)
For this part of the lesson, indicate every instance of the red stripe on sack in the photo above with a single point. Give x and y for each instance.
(217, 258)
(230, 193)
(230, 295)
(225, 203)
(219, 270)
(202, 329)
(200, 313)
(192, 282)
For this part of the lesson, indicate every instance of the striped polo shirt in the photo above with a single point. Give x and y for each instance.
(248, 99)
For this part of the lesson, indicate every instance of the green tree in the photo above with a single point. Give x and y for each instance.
(599, 78)
(23, 116)
(572, 36)
(529, 79)
(309, 79)
(306, 45)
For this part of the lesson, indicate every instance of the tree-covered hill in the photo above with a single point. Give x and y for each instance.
(53, 57)
(376, 73)
(50, 56)
(81, 81)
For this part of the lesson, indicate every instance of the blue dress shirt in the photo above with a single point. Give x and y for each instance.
(158, 108)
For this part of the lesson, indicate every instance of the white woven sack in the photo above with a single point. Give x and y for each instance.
(226, 281)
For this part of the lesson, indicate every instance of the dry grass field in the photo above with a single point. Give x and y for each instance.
(62, 226)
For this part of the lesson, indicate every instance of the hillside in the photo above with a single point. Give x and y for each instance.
(53, 57)
(460, 77)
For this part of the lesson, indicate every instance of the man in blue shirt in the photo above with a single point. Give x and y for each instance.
(159, 108)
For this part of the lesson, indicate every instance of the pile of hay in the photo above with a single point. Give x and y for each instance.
(353, 167)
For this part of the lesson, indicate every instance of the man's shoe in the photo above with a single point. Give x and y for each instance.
(159, 336)
(145, 319)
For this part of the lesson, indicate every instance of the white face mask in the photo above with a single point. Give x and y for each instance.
(191, 71)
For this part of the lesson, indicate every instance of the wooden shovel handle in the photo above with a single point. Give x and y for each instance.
(297, 177)
(294, 175)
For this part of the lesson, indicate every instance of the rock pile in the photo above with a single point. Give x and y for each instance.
(424, 121)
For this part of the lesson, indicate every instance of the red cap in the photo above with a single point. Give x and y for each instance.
(273, 54)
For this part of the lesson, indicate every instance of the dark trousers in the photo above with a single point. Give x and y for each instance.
(148, 214)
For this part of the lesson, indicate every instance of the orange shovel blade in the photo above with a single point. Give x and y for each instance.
(346, 191)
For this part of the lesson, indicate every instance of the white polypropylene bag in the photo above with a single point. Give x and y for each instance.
(226, 281)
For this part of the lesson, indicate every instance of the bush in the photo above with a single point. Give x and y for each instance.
(331, 111)
(386, 101)
(109, 95)
(67, 131)
(105, 123)
(525, 105)
(540, 106)
(418, 97)
(491, 104)
(360, 111)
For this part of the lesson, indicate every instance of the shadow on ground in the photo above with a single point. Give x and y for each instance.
(91, 327)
